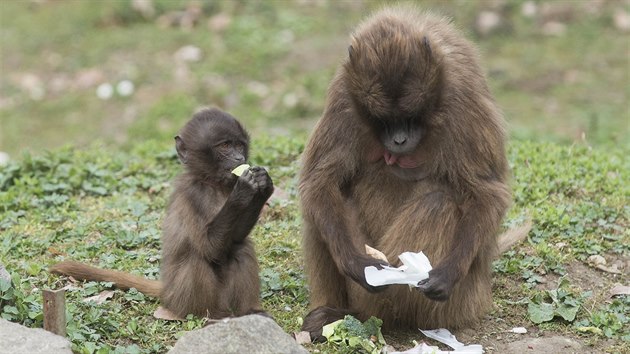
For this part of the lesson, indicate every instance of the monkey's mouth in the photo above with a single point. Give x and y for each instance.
(403, 161)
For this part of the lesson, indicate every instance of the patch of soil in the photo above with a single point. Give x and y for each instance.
(494, 331)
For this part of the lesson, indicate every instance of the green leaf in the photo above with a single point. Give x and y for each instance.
(8, 316)
(539, 313)
(567, 312)
(11, 310)
(4, 285)
(329, 329)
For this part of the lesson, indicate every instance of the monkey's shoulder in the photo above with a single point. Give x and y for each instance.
(195, 203)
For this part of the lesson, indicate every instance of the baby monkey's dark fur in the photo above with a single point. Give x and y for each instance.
(209, 266)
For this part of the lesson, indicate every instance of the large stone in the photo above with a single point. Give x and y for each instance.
(15, 338)
(247, 334)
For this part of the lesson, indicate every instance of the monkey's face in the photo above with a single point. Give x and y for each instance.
(398, 136)
(399, 117)
(394, 79)
(228, 153)
(212, 144)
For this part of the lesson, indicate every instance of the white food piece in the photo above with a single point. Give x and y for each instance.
(240, 169)
(374, 253)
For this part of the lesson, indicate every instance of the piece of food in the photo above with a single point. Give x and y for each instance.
(373, 252)
(364, 337)
(240, 169)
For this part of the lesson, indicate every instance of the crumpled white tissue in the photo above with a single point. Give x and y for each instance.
(416, 267)
(444, 336)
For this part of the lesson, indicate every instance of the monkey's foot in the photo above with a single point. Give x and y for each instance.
(318, 318)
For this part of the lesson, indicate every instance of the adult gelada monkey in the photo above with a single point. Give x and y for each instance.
(408, 156)
(209, 266)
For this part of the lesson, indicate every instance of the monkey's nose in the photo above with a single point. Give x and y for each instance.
(400, 140)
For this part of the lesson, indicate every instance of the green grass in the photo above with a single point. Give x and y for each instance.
(75, 204)
(99, 194)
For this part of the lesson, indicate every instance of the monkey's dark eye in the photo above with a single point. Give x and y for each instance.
(240, 147)
(223, 146)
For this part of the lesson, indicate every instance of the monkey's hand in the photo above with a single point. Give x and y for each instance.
(439, 285)
(355, 269)
(262, 181)
(254, 183)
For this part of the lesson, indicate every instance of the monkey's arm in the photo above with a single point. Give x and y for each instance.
(481, 217)
(239, 214)
(329, 166)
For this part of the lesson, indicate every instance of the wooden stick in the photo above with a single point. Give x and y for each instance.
(55, 311)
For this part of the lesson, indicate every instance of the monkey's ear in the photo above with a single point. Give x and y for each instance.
(182, 153)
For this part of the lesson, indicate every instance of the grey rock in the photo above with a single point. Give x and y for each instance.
(17, 339)
(247, 334)
(543, 345)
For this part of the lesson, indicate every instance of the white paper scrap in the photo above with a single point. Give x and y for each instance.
(416, 267)
(424, 348)
(519, 330)
(444, 336)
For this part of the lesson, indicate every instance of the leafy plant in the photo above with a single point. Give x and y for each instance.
(349, 332)
(558, 302)
(18, 303)
(612, 321)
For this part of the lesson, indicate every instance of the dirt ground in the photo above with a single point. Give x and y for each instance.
(494, 331)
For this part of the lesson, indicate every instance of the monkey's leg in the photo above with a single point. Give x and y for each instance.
(192, 287)
(242, 288)
(328, 296)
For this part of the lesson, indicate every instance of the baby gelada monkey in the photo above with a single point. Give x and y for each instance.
(209, 266)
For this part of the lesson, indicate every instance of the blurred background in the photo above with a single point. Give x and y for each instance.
(119, 71)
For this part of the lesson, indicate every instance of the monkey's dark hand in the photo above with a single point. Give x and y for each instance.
(254, 183)
(262, 182)
(439, 285)
(355, 269)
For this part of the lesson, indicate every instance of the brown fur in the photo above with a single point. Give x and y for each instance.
(209, 267)
(121, 279)
(403, 63)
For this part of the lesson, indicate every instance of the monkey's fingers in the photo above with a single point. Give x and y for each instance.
(356, 272)
(376, 262)
(432, 289)
(370, 288)
(248, 176)
(382, 264)
(260, 173)
(258, 170)
(264, 184)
